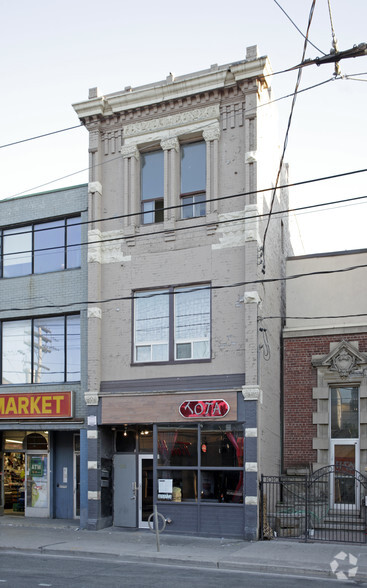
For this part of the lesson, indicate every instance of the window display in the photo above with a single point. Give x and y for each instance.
(202, 462)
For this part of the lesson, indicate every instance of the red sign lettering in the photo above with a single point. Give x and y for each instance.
(204, 408)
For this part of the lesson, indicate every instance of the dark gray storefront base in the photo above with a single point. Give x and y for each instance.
(215, 520)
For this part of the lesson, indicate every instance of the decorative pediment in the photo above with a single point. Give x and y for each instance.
(344, 359)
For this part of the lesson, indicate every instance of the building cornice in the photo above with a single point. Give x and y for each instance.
(215, 78)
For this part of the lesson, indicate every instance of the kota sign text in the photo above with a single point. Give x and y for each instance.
(204, 408)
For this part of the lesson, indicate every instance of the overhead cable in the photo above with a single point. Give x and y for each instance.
(285, 143)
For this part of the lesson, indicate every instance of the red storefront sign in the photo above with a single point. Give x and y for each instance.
(42, 405)
(204, 408)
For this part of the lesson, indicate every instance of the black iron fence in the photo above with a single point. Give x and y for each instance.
(329, 505)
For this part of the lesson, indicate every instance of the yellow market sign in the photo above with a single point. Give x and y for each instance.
(43, 405)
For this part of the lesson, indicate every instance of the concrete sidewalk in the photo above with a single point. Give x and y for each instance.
(60, 537)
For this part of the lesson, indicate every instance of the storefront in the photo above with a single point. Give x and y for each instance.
(186, 455)
(39, 457)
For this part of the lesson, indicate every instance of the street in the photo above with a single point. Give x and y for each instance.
(19, 570)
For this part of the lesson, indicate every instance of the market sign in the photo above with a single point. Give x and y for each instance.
(204, 408)
(42, 405)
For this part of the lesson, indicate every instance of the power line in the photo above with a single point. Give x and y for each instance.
(298, 29)
(299, 75)
(201, 225)
(118, 157)
(41, 136)
(188, 290)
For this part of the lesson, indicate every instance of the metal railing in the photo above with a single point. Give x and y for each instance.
(329, 505)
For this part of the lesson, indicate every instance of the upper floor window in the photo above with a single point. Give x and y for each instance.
(152, 187)
(193, 179)
(41, 350)
(172, 324)
(42, 247)
(344, 413)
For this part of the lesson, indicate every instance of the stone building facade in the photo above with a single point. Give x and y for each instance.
(183, 387)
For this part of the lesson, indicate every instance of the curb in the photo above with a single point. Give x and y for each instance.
(165, 560)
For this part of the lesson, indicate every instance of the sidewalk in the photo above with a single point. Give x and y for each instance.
(60, 537)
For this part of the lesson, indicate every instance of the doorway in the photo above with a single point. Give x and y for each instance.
(37, 485)
(145, 489)
(345, 485)
(14, 483)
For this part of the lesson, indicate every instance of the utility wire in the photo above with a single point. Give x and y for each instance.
(299, 75)
(298, 29)
(200, 287)
(41, 136)
(114, 159)
(190, 227)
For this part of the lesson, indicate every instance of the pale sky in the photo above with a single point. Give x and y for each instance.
(53, 52)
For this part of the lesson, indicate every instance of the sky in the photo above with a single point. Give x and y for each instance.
(53, 52)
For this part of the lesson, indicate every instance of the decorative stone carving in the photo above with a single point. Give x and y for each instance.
(344, 363)
(130, 151)
(171, 143)
(344, 359)
(95, 187)
(172, 121)
(91, 398)
(211, 133)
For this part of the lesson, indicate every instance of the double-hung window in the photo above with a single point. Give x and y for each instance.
(193, 179)
(41, 350)
(42, 247)
(172, 325)
(152, 187)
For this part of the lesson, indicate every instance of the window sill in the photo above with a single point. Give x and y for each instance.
(177, 362)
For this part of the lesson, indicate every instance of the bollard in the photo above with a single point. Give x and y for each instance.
(156, 516)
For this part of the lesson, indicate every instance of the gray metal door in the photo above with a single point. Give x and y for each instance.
(124, 491)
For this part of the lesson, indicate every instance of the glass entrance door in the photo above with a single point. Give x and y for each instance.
(145, 489)
(345, 487)
(37, 502)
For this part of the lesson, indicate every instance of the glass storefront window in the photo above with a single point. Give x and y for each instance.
(344, 413)
(177, 446)
(221, 486)
(184, 486)
(216, 465)
(221, 446)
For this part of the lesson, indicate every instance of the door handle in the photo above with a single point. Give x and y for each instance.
(134, 488)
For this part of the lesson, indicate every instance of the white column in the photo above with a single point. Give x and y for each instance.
(211, 136)
(131, 184)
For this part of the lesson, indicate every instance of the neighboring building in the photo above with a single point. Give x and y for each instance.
(183, 409)
(43, 291)
(325, 371)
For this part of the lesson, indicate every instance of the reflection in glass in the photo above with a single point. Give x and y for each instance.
(222, 486)
(184, 484)
(49, 241)
(48, 350)
(152, 186)
(73, 241)
(43, 341)
(73, 348)
(344, 479)
(177, 447)
(344, 413)
(193, 167)
(192, 323)
(221, 446)
(151, 313)
(16, 352)
(194, 205)
(17, 252)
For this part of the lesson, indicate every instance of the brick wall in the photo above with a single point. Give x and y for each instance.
(299, 379)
